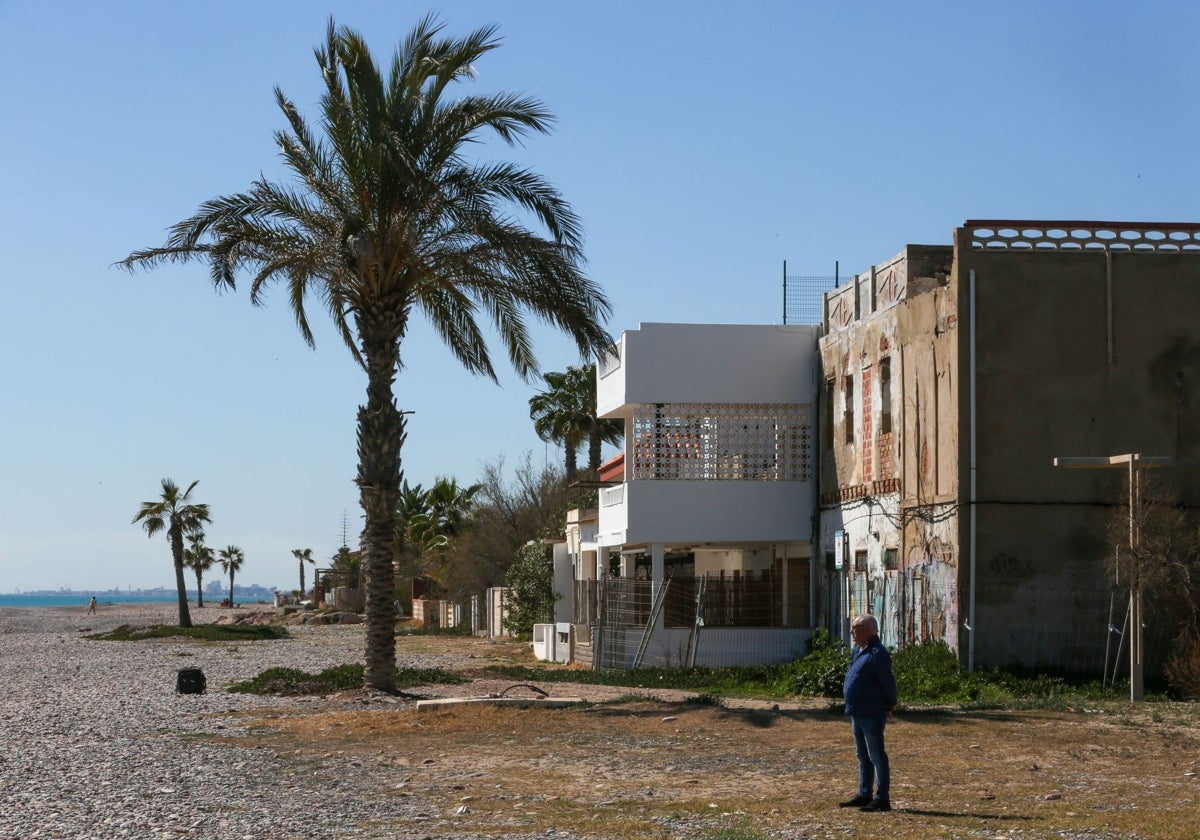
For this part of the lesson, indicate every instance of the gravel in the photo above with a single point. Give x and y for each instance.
(95, 743)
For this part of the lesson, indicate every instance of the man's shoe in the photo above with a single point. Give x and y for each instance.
(877, 805)
(856, 802)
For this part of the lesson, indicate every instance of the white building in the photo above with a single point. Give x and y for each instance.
(709, 530)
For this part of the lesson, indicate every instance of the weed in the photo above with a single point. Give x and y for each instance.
(201, 632)
(291, 681)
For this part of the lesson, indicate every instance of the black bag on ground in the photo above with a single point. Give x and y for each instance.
(190, 681)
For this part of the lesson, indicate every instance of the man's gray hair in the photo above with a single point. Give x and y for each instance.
(869, 621)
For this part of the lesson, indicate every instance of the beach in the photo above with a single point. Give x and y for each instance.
(97, 744)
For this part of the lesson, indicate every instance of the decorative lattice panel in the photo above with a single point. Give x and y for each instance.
(722, 442)
(1083, 236)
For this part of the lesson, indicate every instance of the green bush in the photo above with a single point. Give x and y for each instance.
(821, 671)
(200, 632)
(530, 579)
(929, 672)
(290, 681)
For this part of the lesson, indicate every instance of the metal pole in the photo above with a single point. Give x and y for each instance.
(785, 292)
(1136, 684)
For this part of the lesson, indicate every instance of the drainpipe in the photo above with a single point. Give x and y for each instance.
(971, 619)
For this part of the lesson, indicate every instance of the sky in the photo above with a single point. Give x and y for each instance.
(701, 144)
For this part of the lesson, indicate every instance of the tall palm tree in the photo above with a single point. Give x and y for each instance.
(387, 218)
(232, 559)
(304, 555)
(565, 413)
(175, 513)
(199, 558)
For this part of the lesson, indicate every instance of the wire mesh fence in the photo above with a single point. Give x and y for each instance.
(742, 619)
(720, 619)
(803, 298)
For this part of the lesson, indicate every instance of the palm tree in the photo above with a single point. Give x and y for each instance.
(565, 413)
(199, 558)
(232, 559)
(175, 513)
(304, 555)
(386, 218)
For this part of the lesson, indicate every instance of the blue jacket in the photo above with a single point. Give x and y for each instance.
(870, 687)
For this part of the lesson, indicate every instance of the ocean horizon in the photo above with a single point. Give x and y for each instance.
(75, 599)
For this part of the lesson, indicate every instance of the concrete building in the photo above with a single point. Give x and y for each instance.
(952, 376)
(707, 535)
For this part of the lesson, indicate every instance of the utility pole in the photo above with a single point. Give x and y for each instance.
(1134, 462)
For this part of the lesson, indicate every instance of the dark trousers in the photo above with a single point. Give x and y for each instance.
(873, 768)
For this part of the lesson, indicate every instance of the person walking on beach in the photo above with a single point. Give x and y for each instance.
(870, 692)
(92, 606)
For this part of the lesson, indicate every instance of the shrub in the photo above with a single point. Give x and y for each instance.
(821, 671)
(291, 681)
(929, 671)
(201, 632)
(531, 582)
(1183, 669)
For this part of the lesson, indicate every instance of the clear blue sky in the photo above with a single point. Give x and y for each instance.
(702, 146)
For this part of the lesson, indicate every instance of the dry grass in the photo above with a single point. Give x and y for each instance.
(653, 769)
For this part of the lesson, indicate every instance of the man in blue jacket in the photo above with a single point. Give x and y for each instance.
(870, 692)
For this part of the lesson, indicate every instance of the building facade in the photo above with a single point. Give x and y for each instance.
(952, 377)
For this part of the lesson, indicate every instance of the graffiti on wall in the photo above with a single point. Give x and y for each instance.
(931, 581)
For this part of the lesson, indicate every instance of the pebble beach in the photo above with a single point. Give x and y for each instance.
(96, 743)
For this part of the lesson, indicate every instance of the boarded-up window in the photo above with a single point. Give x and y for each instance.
(860, 561)
(848, 415)
(891, 558)
(885, 395)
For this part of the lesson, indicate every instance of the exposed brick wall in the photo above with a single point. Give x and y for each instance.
(867, 425)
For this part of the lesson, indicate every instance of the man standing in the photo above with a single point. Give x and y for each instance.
(870, 692)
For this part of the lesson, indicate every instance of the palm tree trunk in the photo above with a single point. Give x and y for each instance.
(572, 461)
(231, 588)
(199, 590)
(176, 533)
(380, 438)
(595, 445)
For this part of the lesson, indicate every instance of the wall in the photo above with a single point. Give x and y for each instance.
(710, 363)
(1048, 387)
(889, 449)
(693, 512)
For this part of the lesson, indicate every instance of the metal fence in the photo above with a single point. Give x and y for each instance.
(633, 627)
(803, 297)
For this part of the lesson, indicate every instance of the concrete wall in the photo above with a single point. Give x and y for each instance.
(1048, 386)
(710, 363)
(710, 511)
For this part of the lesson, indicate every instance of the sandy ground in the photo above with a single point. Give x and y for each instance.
(649, 763)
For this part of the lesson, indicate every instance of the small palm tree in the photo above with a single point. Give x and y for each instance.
(565, 413)
(199, 558)
(388, 220)
(304, 555)
(175, 513)
(232, 559)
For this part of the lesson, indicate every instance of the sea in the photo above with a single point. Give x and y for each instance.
(76, 599)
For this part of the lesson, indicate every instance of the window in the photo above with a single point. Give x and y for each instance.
(848, 415)
(885, 396)
(860, 561)
(891, 558)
